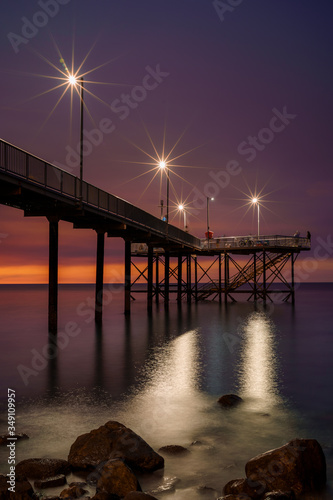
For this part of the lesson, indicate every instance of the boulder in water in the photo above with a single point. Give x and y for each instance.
(114, 440)
(229, 400)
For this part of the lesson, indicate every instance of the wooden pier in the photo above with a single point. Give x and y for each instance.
(175, 261)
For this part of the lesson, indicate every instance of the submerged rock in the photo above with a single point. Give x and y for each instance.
(114, 440)
(50, 482)
(174, 449)
(42, 468)
(229, 400)
(299, 465)
(4, 438)
(73, 492)
(139, 495)
(254, 490)
(280, 495)
(117, 479)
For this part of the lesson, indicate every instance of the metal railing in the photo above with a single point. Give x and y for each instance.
(251, 241)
(37, 171)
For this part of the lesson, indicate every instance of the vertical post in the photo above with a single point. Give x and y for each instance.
(220, 277)
(189, 282)
(128, 282)
(179, 277)
(292, 279)
(226, 277)
(255, 275)
(99, 277)
(166, 277)
(150, 278)
(53, 273)
(196, 278)
(157, 286)
(81, 142)
(264, 274)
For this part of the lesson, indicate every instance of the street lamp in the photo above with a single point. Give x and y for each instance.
(255, 201)
(163, 166)
(181, 208)
(73, 81)
(208, 200)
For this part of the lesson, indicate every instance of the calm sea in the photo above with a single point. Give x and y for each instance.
(162, 375)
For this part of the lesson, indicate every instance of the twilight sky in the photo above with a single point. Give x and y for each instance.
(244, 88)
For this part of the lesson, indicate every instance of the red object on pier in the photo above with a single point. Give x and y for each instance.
(209, 234)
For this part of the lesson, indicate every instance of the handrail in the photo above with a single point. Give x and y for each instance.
(37, 171)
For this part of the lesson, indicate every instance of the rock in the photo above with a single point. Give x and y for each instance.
(299, 465)
(229, 400)
(4, 438)
(168, 485)
(138, 495)
(23, 489)
(73, 492)
(240, 496)
(117, 479)
(114, 440)
(42, 468)
(50, 482)
(206, 491)
(174, 449)
(280, 495)
(105, 496)
(253, 489)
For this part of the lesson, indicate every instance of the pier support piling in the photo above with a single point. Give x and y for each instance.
(150, 279)
(127, 277)
(53, 273)
(99, 277)
(179, 278)
(167, 278)
(188, 280)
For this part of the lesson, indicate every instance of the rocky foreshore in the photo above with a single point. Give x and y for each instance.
(111, 457)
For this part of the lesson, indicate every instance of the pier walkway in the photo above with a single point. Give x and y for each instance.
(41, 189)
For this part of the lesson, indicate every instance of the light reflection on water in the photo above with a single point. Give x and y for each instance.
(258, 371)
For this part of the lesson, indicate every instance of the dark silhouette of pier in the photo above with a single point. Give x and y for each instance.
(41, 189)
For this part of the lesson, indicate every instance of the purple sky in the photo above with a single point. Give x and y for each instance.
(226, 78)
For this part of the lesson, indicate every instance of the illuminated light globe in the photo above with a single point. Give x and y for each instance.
(162, 164)
(254, 200)
(72, 79)
(181, 207)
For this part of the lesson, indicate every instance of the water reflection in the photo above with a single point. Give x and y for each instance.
(169, 388)
(258, 370)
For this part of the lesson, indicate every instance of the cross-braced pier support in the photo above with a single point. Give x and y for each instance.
(214, 275)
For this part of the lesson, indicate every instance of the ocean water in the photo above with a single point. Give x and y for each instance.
(162, 374)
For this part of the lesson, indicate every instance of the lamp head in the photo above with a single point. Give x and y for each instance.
(162, 164)
(72, 80)
(255, 200)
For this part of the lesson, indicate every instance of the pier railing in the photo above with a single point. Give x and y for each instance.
(37, 171)
(251, 241)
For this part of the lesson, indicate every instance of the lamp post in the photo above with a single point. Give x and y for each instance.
(208, 200)
(81, 141)
(181, 208)
(73, 81)
(255, 201)
(163, 166)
